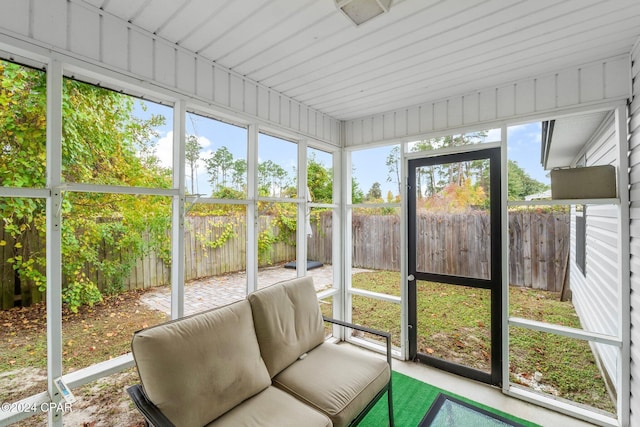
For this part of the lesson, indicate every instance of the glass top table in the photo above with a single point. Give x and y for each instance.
(447, 411)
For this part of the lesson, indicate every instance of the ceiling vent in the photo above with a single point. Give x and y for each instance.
(360, 11)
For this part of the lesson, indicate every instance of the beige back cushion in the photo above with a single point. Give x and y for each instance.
(199, 367)
(287, 320)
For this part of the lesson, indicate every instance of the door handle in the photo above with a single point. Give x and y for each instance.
(411, 278)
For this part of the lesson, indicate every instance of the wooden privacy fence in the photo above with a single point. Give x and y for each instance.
(11, 290)
(213, 246)
(539, 250)
(454, 244)
(457, 244)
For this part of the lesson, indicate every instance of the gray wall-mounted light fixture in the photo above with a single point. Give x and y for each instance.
(360, 11)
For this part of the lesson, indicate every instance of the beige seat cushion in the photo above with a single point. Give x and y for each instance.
(199, 367)
(335, 380)
(287, 320)
(272, 407)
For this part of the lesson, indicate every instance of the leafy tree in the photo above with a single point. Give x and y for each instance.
(455, 198)
(192, 155)
(319, 181)
(393, 163)
(357, 195)
(23, 164)
(239, 174)
(520, 184)
(273, 179)
(102, 144)
(219, 164)
(391, 198)
(375, 193)
(432, 179)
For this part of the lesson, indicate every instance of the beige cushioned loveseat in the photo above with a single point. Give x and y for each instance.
(262, 361)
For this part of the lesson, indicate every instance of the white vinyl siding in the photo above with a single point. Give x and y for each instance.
(595, 293)
(634, 178)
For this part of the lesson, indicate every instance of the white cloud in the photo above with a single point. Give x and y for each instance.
(494, 135)
(204, 142)
(164, 150)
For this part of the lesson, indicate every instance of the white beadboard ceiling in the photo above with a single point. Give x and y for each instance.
(421, 50)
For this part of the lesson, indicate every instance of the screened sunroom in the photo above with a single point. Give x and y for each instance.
(162, 158)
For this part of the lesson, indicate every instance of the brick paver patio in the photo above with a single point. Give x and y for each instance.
(211, 292)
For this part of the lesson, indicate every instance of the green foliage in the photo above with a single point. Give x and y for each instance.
(102, 144)
(357, 195)
(228, 193)
(520, 184)
(80, 290)
(282, 218)
(239, 175)
(375, 193)
(393, 164)
(456, 198)
(273, 179)
(219, 166)
(22, 127)
(319, 181)
(206, 209)
(448, 184)
(23, 164)
(192, 155)
(266, 239)
(431, 180)
(225, 231)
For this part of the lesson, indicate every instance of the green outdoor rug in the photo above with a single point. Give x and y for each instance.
(411, 401)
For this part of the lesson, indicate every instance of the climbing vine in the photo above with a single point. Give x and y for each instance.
(103, 143)
(225, 231)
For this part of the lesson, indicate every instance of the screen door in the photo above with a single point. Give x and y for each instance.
(454, 282)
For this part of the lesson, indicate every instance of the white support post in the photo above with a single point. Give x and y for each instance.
(54, 235)
(252, 209)
(178, 211)
(347, 237)
(504, 191)
(303, 212)
(624, 268)
(404, 253)
(337, 250)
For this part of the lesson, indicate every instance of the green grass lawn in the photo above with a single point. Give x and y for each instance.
(454, 324)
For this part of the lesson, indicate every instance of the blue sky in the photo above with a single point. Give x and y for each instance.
(368, 165)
